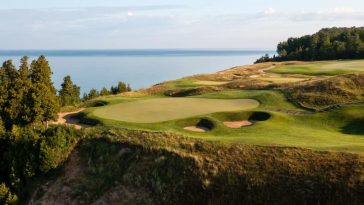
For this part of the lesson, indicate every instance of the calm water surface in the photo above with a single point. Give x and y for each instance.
(141, 68)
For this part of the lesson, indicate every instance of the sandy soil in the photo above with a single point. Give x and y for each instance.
(237, 124)
(68, 118)
(196, 129)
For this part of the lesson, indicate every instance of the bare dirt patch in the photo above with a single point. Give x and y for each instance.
(69, 118)
(237, 124)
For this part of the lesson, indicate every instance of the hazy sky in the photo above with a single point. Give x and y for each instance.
(104, 24)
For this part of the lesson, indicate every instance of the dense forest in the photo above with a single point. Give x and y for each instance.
(327, 44)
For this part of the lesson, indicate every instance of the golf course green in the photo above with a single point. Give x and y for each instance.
(290, 124)
(165, 109)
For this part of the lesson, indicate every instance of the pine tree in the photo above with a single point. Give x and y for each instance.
(104, 91)
(129, 88)
(25, 85)
(93, 94)
(70, 93)
(10, 98)
(43, 100)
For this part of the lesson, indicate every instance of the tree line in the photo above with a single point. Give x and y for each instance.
(121, 87)
(28, 96)
(327, 44)
(28, 147)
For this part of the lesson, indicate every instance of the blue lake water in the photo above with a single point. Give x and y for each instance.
(141, 68)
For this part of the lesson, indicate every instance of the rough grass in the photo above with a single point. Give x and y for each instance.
(165, 109)
(321, 68)
(210, 82)
(328, 92)
(165, 168)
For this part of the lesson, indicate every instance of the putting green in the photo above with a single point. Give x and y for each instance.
(165, 109)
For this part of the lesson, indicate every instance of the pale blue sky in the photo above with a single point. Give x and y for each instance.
(112, 24)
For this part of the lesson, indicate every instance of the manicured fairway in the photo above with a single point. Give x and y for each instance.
(322, 68)
(165, 109)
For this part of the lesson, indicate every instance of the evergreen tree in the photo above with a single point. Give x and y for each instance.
(93, 94)
(25, 85)
(104, 92)
(69, 93)
(43, 100)
(10, 98)
(120, 88)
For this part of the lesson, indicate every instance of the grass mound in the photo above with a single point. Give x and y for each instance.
(191, 91)
(325, 93)
(164, 168)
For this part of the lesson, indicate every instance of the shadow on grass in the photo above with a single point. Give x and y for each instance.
(96, 103)
(355, 127)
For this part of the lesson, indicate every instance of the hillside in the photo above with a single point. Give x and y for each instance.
(329, 92)
(133, 167)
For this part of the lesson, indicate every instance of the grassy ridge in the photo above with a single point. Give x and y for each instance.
(165, 168)
(325, 93)
(329, 68)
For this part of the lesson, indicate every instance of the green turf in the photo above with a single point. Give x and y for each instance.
(337, 130)
(322, 68)
(165, 109)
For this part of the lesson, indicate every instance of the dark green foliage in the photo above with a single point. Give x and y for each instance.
(45, 104)
(27, 152)
(6, 197)
(55, 148)
(93, 94)
(104, 92)
(69, 93)
(120, 88)
(27, 96)
(327, 44)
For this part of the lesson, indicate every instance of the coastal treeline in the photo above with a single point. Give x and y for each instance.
(121, 87)
(327, 44)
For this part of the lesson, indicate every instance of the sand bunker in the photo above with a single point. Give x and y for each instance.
(237, 124)
(204, 125)
(196, 129)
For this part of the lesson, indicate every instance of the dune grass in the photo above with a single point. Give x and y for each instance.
(329, 68)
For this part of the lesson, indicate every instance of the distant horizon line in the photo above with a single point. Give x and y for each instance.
(117, 49)
(135, 52)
